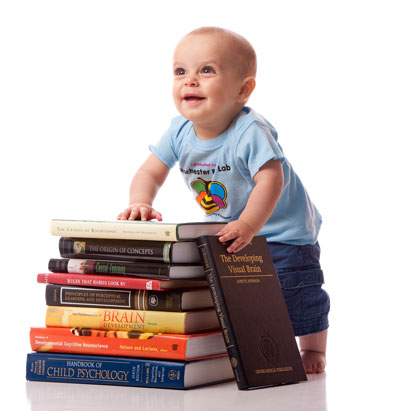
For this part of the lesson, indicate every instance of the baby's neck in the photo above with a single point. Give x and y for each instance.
(211, 131)
(208, 134)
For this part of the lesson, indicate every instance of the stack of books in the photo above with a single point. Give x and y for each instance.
(128, 304)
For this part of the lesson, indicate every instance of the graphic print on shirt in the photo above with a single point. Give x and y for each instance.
(211, 195)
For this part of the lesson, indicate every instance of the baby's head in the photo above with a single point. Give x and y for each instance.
(239, 50)
(214, 75)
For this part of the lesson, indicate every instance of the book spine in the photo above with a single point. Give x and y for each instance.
(98, 281)
(103, 342)
(109, 249)
(59, 295)
(116, 319)
(104, 267)
(128, 230)
(106, 370)
(222, 312)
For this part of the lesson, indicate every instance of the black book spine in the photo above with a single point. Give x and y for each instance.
(60, 295)
(110, 249)
(222, 312)
(58, 265)
(104, 267)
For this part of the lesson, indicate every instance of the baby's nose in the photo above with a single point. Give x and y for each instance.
(191, 81)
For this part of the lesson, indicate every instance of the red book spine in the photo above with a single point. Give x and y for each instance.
(100, 342)
(99, 281)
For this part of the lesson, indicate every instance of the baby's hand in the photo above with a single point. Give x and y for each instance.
(139, 211)
(240, 232)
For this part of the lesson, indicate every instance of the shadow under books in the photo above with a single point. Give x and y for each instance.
(61, 396)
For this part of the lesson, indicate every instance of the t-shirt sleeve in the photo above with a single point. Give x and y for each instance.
(256, 146)
(166, 147)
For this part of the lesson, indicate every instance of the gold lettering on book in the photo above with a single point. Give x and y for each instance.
(248, 264)
(274, 370)
(109, 375)
(233, 258)
(60, 372)
(205, 257)
(253, 269)
(225, 258)
(215, 297)
(233, 269)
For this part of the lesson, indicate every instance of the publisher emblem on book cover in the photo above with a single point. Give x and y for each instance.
(153, 300)
(173, 375)
(234, 362)
(268, 348)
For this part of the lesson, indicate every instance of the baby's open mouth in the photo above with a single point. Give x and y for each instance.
(193, 98)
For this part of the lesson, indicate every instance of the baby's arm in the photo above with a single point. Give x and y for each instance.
(144, 187)
(260, 205)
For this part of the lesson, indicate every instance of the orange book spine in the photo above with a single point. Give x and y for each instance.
(102, 342)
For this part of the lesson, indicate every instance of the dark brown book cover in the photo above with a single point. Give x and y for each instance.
(173, 300)
(252, 313)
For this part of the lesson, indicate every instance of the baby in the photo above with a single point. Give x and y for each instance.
(230, 159)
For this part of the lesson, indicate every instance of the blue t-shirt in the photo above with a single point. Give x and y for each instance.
(219, 173)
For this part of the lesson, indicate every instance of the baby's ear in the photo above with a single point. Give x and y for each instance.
(248, 85)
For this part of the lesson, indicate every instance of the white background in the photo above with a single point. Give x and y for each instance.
(85, 87)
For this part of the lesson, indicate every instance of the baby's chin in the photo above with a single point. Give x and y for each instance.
(195, 118)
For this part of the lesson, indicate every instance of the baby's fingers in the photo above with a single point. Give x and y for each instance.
(124, 215)
(143, 212)
(236, 246)
(228, 234)
(135, 213)
(155, 214)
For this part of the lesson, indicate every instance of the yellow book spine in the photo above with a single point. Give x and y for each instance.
(112, 319)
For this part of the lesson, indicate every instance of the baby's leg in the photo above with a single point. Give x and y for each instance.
(312, 350)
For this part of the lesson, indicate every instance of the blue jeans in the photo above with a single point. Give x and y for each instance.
(301, 279)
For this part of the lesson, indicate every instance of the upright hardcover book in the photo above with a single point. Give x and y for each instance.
(137, 372)
(252, 313)
(132, 230)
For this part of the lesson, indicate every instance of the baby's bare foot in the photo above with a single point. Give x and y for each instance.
(313, 361)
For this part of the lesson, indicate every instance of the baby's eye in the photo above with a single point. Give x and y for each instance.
(179, 72)
(207, 70)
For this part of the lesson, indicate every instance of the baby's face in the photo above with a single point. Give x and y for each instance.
(206, 81)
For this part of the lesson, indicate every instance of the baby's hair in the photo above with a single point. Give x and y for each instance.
(247, 57)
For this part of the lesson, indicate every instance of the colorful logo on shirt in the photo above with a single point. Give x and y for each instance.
(211, 195)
